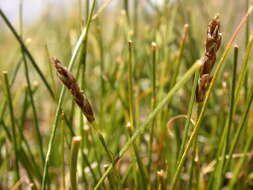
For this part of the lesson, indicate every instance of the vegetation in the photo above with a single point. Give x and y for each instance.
(128, 95)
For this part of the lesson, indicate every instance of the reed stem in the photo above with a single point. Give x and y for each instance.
(73, 161)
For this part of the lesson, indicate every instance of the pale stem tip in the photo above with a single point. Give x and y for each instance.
(153, 45)
(77, 139)
(129, 125)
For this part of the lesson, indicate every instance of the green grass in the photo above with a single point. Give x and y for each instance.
(138, 64)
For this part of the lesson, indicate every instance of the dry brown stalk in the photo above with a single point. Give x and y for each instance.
(68, 79)
(212, 44)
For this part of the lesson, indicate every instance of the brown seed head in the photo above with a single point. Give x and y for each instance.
(212, 44)
(69, 81)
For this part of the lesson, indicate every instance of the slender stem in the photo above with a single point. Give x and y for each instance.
(194, 151)
(153, 47)
(62, 152)
(15, 136)
(223, 146)
(82, 64)
(86, 161)
(232, 97)
(12, 80)
(138, 159)
(102, 82)
(130, 83)
(108, 153)
(246, 43)
(131, 110)
(35, 115)
(73, 161)
(243, 70)
(194, 157)
(240, 127)
(238, 167)
(83, 70)
(189, 114)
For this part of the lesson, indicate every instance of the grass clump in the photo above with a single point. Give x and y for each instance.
(158, 116)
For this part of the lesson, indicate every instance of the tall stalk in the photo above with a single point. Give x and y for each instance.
(15, 136)
(131, 124)
(28, 81)
(153, 47)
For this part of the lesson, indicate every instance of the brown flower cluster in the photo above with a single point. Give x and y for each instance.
(69, 81)
(212, 44)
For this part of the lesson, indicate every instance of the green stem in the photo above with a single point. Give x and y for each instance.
(189, 114)
(109, 155)
(83, 70)
(153, 46)
(243, 70)
(12, 80)
(102, 82)
(240, 127)
(73, 161)
(35, 115)
(223, 146)
(246, 43)
(130, 83)
(194, 157)
(238, 167)
(138, 159)
(15, 136)
(62, 152)
(131, 110)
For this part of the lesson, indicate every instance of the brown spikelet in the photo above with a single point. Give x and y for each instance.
(69, 81)
(212, 44)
